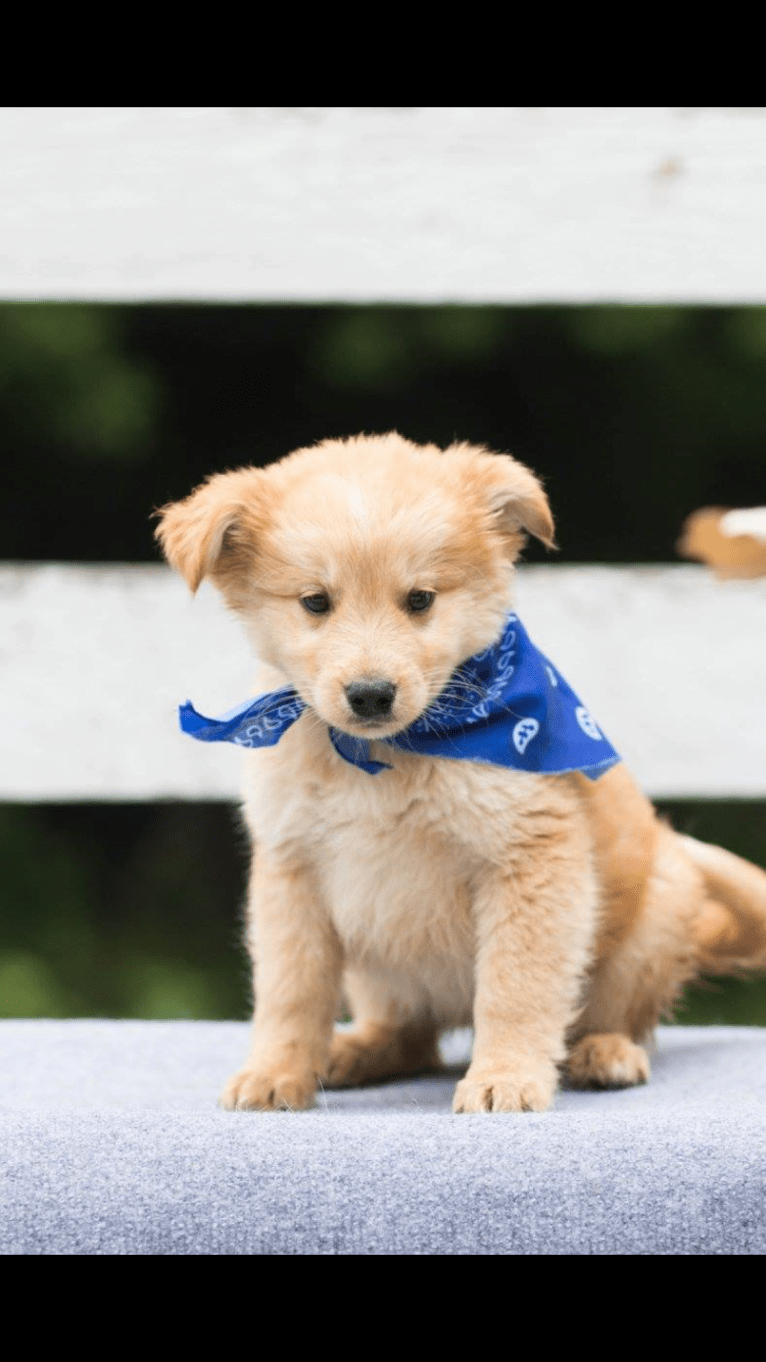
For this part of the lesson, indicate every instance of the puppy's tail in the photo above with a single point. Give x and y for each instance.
(731, 931)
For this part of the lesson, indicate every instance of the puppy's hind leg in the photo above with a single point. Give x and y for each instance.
(607, 1060)
(388, 1037)
(638, 978)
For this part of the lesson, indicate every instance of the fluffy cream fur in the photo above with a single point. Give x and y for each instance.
(557, 916)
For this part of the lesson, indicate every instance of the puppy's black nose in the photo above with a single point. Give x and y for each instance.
(371, 699)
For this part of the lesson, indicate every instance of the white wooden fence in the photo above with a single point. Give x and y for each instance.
(485, 204)
(96, 660)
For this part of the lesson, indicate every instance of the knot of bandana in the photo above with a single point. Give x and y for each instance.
(507, 706)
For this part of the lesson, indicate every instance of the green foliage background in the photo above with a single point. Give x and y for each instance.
(633, 416)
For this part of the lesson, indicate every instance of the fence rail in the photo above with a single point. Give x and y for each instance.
(399, 204)
(94, 661)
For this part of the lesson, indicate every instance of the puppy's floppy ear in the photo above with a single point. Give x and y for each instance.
(513, 495)
(203, 533)
(520, 504)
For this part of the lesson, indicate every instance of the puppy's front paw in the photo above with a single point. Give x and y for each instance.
(505, 1090)
(256, 1090)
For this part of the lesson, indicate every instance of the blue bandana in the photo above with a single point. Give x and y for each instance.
(507, 706)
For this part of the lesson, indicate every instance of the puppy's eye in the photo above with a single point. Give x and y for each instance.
(317, 604)
(418, 601)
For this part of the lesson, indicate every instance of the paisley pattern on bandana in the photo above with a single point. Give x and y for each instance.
(507, 706)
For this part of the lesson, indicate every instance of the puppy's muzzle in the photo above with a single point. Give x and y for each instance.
(371, 699)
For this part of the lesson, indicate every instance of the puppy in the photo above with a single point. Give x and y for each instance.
(552, 912)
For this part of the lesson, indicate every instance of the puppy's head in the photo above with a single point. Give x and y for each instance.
(364, 569)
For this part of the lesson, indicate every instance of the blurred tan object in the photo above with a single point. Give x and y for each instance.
(733, 543)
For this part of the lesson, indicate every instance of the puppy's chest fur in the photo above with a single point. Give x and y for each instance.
(397, 857)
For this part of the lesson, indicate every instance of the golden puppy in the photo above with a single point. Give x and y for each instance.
(556, 915)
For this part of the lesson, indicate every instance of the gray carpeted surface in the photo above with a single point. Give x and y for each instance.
(111, 1143)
